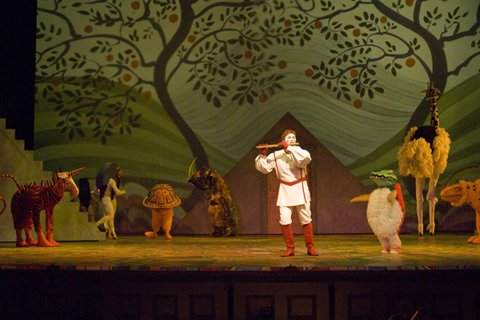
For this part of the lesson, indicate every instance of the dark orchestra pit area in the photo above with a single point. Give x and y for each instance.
(243, 277)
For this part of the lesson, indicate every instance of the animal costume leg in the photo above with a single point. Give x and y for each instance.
(395, 243)
(30, 240)
(289, 241)
(28, 233)
(212, 214)
(476, 239)
(156, 223)
(49, 225)
(20, 242)
(308, 234)
(419, 185)
(385, 244)
(432, 200)
(42, 241)
(167, 222)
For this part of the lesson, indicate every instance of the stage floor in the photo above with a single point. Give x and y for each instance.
(247, 252)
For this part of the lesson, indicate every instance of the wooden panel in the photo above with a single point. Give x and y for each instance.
(260, 307)
(94, 306)
(281, 301)
(164, 307)
(302, 307)
(57, 306)
(361, 308)
(128, 306)
(202, 307)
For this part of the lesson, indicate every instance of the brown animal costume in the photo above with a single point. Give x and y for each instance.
(465, 192)
(221, 207)
(161, 199)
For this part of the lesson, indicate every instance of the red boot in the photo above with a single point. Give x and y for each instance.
(308, 234)
(289, 241)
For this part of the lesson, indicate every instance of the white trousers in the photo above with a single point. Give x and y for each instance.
(303, 210)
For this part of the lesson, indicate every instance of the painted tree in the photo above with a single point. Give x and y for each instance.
(371, 41)
(95, 58)
(203, 40)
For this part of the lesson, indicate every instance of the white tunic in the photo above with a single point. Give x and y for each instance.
(289, 168)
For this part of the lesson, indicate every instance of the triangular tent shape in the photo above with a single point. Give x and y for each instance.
(332, 188)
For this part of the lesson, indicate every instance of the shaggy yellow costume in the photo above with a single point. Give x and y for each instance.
(424, 154)
(423, 160)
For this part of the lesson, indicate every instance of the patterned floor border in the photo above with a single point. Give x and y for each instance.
(256, 269)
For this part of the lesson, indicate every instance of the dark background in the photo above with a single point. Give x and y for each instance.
(17, 30)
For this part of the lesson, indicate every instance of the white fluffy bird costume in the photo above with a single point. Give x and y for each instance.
(385, 210)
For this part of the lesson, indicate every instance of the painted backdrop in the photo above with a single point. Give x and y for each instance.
(153, 84)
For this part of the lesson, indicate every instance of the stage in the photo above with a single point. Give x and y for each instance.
(260, 252)
(243, 277)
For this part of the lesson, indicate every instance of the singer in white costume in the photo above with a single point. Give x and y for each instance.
(290, 165)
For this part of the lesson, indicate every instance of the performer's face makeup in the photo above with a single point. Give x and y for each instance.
(290, 138)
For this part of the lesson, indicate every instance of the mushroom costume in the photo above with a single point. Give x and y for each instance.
(161, 199)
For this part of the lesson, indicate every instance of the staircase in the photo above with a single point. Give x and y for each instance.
(69, 223)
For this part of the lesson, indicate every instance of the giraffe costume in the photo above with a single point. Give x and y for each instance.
(424, 154)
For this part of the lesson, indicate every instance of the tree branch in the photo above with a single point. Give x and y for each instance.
(471, 32)
(456, 71)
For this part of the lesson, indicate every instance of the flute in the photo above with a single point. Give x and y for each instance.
(275, 145)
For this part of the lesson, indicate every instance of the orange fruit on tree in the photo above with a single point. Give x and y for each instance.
(173, 18)
(135, 5)
(410, 62)
(358, 103)
(135, 64)
(147, 95)
(127, 77)
(282, 64)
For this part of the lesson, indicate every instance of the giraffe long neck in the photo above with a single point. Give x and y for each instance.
(432, 97)
(434, 113)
